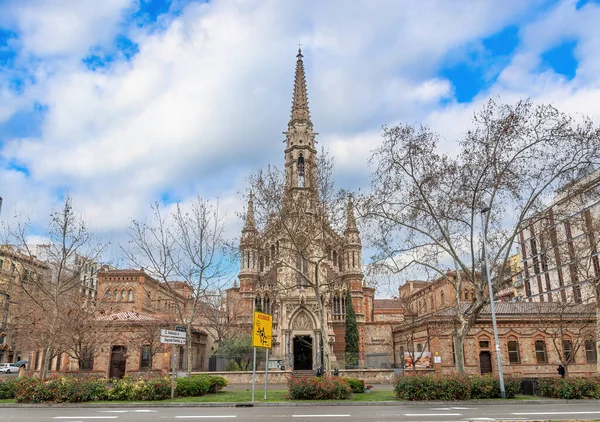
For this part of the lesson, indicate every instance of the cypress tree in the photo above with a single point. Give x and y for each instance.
(351, 337)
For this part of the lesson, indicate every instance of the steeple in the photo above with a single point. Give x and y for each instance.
(250, 225)
(300, 152)
(350, 220)
(300, 112)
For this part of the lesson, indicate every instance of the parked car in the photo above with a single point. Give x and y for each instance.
(8, 368)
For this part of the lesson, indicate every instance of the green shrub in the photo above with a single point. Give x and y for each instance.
(570, 387)
(453, 387)
(217, 383)
(195, 386)
(121, 390)
(90, 390)
(318, 388)
(152, 389)
(8, 388)
(29, 390)
(357, 386)
(232, 366)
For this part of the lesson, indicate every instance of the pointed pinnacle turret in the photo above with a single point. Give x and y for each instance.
(250, 222)
(300, 101)
(350, 220)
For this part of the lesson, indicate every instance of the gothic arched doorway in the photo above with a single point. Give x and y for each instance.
(303, 353)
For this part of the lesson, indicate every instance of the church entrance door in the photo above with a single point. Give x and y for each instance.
(303, 353)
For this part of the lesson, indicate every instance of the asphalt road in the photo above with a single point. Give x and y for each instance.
(516, 411)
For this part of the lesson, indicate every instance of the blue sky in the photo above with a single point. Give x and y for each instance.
(124, 102)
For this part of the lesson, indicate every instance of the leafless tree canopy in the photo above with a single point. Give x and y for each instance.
(425, 205)
(186, 250)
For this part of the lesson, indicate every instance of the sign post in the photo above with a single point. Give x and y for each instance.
(262, 332)
(174, 338)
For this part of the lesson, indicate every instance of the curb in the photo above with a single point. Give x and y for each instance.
(294, 404)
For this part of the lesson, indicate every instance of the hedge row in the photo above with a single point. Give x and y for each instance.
(318, 388)
(453, 387)
(75, 390)
(570, 387)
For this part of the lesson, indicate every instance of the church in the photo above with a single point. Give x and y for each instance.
(297, 268)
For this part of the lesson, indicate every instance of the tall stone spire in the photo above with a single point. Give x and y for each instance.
(350, 220)
(250, 224)
(300, 112)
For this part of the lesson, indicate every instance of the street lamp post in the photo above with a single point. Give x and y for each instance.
(486, 276)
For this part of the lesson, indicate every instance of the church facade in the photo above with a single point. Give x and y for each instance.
(300, 270)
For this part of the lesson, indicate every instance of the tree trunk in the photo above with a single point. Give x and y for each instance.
(598, 328)
(190, 347)
(459, 340)
(45, 361)
(324, 337)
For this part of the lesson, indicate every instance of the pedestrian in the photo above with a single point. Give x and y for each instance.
(21, 371)
(561, 370)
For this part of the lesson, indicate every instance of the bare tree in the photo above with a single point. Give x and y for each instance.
(219, 313)
(186, 250)
(49, 295)
(568, 325)
(303, 222)
(425, 206)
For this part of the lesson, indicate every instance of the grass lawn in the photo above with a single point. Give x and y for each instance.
(274, 396)
(239, 396)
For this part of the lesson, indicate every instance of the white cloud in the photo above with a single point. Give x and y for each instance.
(204, 102)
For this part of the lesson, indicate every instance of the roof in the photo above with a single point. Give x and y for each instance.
(527, 308)
(380, 304)
(126, 316)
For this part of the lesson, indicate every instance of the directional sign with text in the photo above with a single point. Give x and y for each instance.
(172, 340)
(262, 330)
(171, 333)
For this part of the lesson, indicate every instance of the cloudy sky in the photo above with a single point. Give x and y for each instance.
(124, 102)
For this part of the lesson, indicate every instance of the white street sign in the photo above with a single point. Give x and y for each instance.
(171, 333)
(172, 340)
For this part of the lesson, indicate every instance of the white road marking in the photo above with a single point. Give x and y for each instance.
(145, 411)
(555, 413)
(320, 416)
(463, 408)
(205, 417)
(85, 417)
(113, 411)
(433, 414)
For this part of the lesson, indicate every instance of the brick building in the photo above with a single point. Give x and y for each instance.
(534, 337)
(268, 278)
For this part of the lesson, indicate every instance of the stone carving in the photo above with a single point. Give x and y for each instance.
(314, 308)
(302, 322)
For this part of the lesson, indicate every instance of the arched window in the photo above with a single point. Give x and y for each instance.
(116, 295)
(108, 295)
(568, 352)
(261, 263)
(123, 295)
(590, 351)
(442, 301)
(300, 171)
(130, 295)
(335, 260)
(272, 252)
(257, 303)
(267, 305)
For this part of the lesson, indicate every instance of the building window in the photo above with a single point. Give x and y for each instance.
(335, 260)
(123, 295)
(568, 354)
(108, 295)
(86, 360)
(146, 358)
(484, 344)
(590, 351)
(116, 295)
(540, 351)
(442, 300)
(58, 359)
(419, 348)
(130, 295)
(513, 352)
(37, 361)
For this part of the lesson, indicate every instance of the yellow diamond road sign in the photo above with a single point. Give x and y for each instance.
(262, 330)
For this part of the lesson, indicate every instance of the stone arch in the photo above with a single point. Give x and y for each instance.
(303, 320)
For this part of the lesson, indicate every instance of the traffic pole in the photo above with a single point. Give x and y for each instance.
(266, 372)
(173, 373)
(253, 374)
